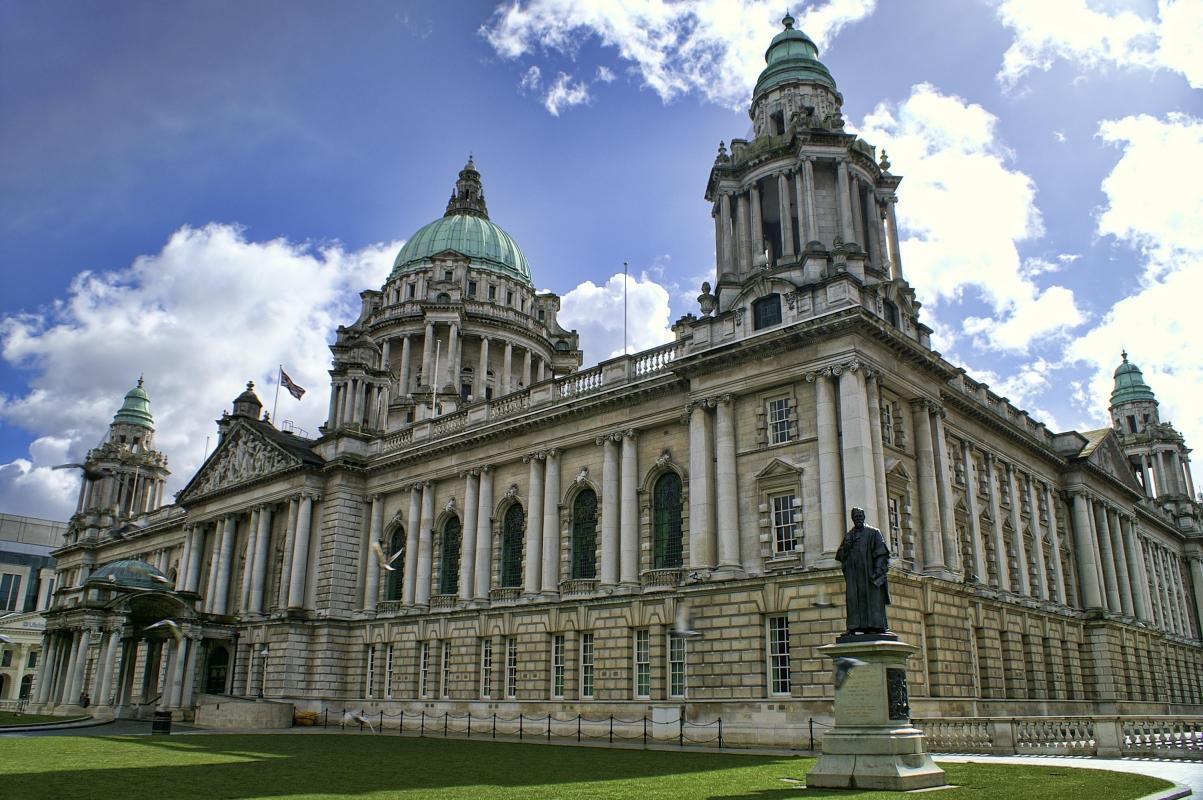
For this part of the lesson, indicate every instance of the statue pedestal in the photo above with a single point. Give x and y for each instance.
(873, 744)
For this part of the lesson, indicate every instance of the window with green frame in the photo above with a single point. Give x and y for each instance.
(449, 564)
(666, 521)
(513, 528)
(392, 586)
(584, 535)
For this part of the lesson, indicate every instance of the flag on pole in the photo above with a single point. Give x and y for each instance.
(293, 389)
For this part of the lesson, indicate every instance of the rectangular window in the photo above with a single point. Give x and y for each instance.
(779, 420)
(492, 292)
(643, 664)
(33, 660)
(541, 315)
(887, 424)
(587, 665)
(424, 671)
(410, 289)
(557, 665)
(511, 667)
(785, 522)
(509, 297)
(895, 526)
(445, 678)
(388, 671)
(448, 275)
(486, 667)
(778, 647)
(676, 665)
(10, 592)
(471, 288)
(6, 660)
(371, 676)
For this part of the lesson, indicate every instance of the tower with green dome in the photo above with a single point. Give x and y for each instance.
(1156, 451)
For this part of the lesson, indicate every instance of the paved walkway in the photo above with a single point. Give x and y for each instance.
(1186, 773)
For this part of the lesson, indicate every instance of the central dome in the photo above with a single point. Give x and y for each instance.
(791, 56)
(465, 229)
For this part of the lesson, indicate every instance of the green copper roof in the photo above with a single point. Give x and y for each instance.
(1130, 385)
(484, 244)
(792, 56)
(130, 572)
(136, 409)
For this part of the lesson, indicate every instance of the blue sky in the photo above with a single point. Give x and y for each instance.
(198, 191)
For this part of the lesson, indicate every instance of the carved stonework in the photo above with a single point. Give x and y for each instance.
(511, 492)
(664, 457)
(244, 457)
(582, 476)
(896, 694)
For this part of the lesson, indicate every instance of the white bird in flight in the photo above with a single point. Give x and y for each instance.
(5, 639)
(684, 623)
(845, 665)
(352, 717)
(386, 562)
(171, 625)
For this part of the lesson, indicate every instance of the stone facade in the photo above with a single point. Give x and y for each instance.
(543, 523)
(26, 587)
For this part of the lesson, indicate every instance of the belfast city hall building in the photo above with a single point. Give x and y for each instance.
(482, 526)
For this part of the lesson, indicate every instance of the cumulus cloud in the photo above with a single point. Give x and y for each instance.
(605, 74)
(596, 312)
(532, 80)
(1093, 36)
(565, 93)
(714, 48)
(1158, 323)
(199, 318)
(964, 211)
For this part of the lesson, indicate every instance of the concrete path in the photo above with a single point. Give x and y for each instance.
(1189, 774)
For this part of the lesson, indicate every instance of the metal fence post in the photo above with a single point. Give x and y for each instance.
(611, 729)
(326, 718)
(681, 730)
(578, 727)
(445, 724)
(519, 726)
(422, 726)
(401, 726)
(494, 724)
(469, 724)
(361, 719)
(720, 733)
(645, 730)
(549, 726)
(812, 735)
(381, 721)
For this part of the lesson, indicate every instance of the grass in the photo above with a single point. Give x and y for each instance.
(10, 718)
(366, 766)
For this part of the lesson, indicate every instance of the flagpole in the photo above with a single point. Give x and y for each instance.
(624, 307)
(276, 402)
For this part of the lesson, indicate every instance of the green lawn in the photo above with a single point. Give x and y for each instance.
(367, 766)
(9, 718)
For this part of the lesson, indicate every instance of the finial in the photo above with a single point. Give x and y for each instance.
(250, 386)
(139, 381)
(1123, 354)
(885, 161)
(788, 21)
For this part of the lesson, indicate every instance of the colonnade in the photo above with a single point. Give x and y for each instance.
(1168, 467)
(861, 216)
(128, 494)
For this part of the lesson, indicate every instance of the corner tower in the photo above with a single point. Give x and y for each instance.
(1156, 452)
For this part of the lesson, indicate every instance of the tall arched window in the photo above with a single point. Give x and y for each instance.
(449, 563)
(396, 544)
(584, 535)
(513, 529)
(666, 521)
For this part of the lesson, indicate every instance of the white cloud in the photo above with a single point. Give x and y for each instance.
(199, 318)
(1060, 137)
(564, 93)
(1154, 204)
(605, 74)
(714, 48)
(963, 211)
(532, 80)
(1094, 37)
(596, 312)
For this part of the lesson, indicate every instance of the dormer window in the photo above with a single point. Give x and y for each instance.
(891, 312)
(766, 312)
(448, 275)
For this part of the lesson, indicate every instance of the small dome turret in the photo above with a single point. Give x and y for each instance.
(248, 404)
(136, 409)
(792, 57)
(1130, 384)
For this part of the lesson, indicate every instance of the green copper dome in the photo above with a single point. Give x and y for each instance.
(482, 242)
(466, 229)
(131, 573)
(792, 56)
(1130, 385)
(136, 409)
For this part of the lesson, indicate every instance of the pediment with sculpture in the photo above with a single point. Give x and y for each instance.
(242, 456)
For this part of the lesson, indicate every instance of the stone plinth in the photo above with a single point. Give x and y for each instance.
(873, 744)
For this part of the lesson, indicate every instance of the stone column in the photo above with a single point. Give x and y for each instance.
(550, 572)
(1090, 591)
(726, 480)
(1196, 580)
(1002, 568)
(361, 393)
(290, 544)
(300, 553)
(79, 666)
(1055, 542)
(1137, 579)
(1190, 481)
(403, 379)
(222, 589)
(787, 228)
(873, 392)
(701, 485)
(948, 520)
(542, 371)
(830, 480)
(757, 238)
(484, 534)
(1018, 545)
(453, 357)
(413, 525)
(482, 369)
(467, 558)
(1037, 540)
(728, 254)
(929, 511)
(248, 561)
(425, 539)
(262, 548)
(1110, 581)
(976, 547)
(526, 367)
(1147, 474)
(1181, 594)
(177, 673)
(534, 524)
(428, 378)
(858, 222)
(39, 680)
(856, 444)
(718, 238)
(895, 249)
(1163, 486)
(181, 575)
(609, 512)
(186, 697)
(192, 581)
(745, 234)
(104, 673)
(507, 366)
(628, 523)
(844, 207)
(802, 185)
(1127, 602)
(371, 569)
(332, 412)
(214, 560)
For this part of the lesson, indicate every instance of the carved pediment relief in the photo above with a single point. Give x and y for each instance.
(242, 456)
(1109, 457)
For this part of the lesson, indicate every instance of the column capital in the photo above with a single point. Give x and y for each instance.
(926, 403)
(377, 497)
(724, 399)
(470, 473)
(538, 455)
(552, 452)
(813, 375)
(630, 433)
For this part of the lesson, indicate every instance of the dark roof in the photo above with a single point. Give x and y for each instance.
(292, 444)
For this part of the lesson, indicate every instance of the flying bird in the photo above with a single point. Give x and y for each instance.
(5, 639)
(684, 624)
(352, 717)
(90, 474)
(171, 625)
(386, 562)
(845, 665)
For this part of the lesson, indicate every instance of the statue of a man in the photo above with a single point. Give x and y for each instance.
(865, 559)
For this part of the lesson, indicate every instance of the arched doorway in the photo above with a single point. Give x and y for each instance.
(216, 668)
(26, 685)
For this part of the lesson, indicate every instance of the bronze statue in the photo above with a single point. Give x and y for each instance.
(865, 559)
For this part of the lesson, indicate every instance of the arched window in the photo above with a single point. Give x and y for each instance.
(392, 586)
(442, 297)
(666, 521)
(584, 535)
(766, 311)
(449, 564)
(513, 529)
